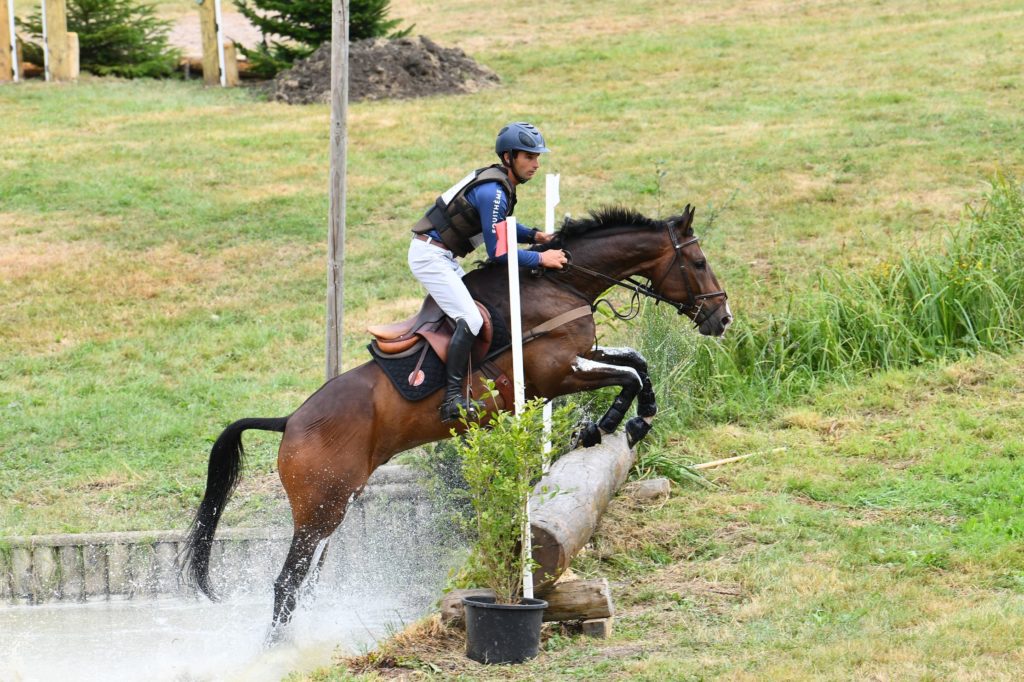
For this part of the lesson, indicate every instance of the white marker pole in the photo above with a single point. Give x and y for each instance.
(518, 380)
(551, 199)
(46, 47)
(15, 67)
(220, 44)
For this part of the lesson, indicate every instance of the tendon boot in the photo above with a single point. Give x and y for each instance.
(455, 367)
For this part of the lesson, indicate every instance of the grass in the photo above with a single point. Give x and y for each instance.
(883, 543)
(162, 274)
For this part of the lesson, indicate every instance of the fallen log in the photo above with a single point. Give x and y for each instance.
(585, 481)
(571, 600)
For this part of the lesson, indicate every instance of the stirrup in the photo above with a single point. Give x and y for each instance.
(451, 410)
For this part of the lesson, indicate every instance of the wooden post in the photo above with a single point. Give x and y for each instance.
(338, 171)
(73, 62)
(208, 33)
(230, 65)
(8, 43)
(57, 40)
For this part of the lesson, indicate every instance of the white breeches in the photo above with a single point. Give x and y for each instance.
(438, 271)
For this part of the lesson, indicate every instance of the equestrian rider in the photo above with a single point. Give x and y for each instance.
(462, 218)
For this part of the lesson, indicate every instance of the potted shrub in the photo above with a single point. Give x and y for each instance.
(501, 463)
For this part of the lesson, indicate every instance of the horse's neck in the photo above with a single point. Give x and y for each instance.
(616, 255)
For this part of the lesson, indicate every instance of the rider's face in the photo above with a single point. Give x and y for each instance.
(526, 164)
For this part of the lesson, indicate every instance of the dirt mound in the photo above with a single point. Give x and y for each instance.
(380, 68)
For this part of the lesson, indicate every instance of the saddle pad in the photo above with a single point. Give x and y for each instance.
(398, 369)
(500, 335)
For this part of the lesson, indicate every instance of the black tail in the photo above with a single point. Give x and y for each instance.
(222, 475)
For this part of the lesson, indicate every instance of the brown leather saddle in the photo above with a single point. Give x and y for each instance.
(432, 326)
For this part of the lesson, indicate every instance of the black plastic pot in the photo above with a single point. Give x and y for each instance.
(502, 633)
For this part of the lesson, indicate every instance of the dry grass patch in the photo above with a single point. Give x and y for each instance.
(426, 646)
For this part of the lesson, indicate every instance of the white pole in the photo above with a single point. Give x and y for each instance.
(518, 379)
(220, 44)
(517, 320)
(551, 199)
(14, 40)
(46, 47)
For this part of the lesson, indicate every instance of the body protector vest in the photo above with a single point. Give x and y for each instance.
(455, 218)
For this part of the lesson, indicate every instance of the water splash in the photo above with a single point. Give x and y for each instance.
(370, 586)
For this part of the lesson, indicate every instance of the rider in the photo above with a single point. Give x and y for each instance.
(459, 220)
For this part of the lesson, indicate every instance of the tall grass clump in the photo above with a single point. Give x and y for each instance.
(917, 308)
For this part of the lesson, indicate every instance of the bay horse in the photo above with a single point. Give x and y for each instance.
(358, 420)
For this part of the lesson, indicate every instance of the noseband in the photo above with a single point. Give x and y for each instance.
(694, 302)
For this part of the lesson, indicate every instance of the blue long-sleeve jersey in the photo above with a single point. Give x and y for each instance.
(491, 204)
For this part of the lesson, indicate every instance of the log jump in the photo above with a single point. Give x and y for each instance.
(586, 480)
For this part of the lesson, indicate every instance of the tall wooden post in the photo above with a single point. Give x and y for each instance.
(336, 221)
(220, 64)
(8, 43)
(56, 43)
(211, 51)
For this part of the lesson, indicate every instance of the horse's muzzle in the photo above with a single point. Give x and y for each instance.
(717, 322)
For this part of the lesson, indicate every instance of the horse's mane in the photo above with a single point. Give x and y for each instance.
(607, 218)
(616, 217)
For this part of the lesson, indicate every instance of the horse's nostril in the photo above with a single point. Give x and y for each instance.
(726, 320)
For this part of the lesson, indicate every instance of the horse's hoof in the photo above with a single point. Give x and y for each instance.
(636, 429)
(277, 634)
(589, 435)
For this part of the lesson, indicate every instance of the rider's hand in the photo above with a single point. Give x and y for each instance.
(543, 237)
(555, 259)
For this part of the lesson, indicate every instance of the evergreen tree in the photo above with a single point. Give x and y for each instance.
(115, 38)
(301, 26)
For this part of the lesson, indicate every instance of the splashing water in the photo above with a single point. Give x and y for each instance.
(371, 586)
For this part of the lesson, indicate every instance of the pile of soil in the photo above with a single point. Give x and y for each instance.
(380, 68)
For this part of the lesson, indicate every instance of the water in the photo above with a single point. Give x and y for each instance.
(189, 640)
(377, 578)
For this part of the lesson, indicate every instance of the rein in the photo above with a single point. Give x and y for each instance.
(694, 303)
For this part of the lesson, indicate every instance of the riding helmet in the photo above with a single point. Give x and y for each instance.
(520, 137)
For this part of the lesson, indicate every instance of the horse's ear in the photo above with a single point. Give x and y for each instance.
(687, 222)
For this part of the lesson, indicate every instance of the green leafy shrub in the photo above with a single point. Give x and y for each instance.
(305, 25)
(501, 464)
(115, 38)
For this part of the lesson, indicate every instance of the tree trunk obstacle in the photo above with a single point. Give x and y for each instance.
(585, 481)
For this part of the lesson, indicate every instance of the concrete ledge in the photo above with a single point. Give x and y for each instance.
(139, 564)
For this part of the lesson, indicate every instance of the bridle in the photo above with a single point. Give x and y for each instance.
(694, 302)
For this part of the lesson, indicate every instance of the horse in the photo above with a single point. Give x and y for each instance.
(358, 420)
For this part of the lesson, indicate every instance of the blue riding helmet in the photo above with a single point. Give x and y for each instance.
(520, 137)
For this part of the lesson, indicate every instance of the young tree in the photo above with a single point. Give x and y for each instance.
(301, 26)
(115, 38)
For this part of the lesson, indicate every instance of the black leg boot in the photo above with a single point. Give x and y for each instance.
(458, 361)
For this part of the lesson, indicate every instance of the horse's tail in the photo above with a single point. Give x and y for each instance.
(224, 470)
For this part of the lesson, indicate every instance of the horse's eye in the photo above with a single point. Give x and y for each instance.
(701, 264)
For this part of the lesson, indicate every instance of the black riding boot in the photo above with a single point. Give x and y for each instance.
(458, 360)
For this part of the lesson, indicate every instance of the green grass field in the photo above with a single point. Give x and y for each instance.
(162, 273)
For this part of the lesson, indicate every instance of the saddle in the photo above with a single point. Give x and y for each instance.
(432, 326)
